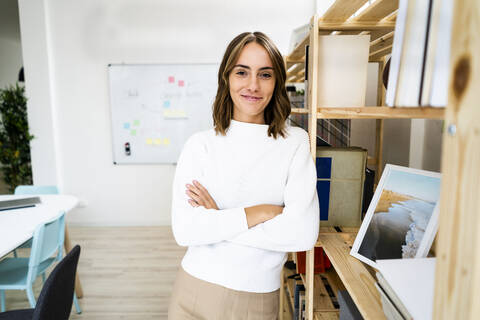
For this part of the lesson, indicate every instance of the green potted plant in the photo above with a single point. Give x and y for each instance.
(14, 137)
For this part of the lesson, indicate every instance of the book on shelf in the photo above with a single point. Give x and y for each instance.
(412, 54)
(437, 61)
(302, 306)
(340, 181)
(299, 290)
(396, 53)
(418, 74)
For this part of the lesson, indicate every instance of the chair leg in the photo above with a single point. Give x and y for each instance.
(77, 306)
(31, 297)
(2, 300)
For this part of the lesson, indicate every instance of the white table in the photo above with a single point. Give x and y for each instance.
(18, 225)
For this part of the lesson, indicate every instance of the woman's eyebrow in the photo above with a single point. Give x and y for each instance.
(247, 67)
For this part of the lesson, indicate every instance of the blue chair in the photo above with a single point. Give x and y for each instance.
(39, 190)
(33, 190)
(20, 273)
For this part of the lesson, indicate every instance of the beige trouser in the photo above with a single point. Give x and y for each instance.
(193, 298)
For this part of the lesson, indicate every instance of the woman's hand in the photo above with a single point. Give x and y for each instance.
(199, 196)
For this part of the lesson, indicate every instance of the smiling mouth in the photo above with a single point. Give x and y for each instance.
(251, 98)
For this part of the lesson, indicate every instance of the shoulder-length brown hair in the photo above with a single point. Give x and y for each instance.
(277, 110)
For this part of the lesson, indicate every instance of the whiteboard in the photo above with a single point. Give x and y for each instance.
(155, 108)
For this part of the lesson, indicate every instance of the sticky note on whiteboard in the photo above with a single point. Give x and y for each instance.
(157, 141)
(149, 141)
(166, 141)
(171, 79)
(181, 83)
(174, 114)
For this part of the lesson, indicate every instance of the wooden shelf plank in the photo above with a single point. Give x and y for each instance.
(377, 10)
(359, 26)
(382, 42)
(341, 10)
(376, 34)
(299, 52)
(299, 110)
(377, 55)
(354, 275)
(392, 17)
(347, 235)
(332, 315)
(296, 69)
(381, 113)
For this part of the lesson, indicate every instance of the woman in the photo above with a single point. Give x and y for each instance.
(244, 192)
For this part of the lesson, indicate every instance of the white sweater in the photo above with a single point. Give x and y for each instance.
(239, 170)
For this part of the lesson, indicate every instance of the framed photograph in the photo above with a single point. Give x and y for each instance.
(402, 219)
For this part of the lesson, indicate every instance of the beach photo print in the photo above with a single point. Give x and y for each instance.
(402, 219)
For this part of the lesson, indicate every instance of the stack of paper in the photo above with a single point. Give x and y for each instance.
(406, 287)
(342, 70)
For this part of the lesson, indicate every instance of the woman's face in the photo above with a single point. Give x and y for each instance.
(251, 82)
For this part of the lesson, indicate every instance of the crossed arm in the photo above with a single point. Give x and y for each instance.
(200, 197)
(197, 220)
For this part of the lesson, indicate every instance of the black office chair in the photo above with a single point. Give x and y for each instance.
(56, 297)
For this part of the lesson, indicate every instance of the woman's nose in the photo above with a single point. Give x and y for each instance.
(253, 84)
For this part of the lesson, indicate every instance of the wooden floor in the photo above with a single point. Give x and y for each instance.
(127, 273)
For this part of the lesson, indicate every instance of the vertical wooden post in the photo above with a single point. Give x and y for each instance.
(312, 131)
(282, 295)
(457, 279)
(68, 246)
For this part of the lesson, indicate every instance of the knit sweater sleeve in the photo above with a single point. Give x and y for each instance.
(199, 226)
(296, 229)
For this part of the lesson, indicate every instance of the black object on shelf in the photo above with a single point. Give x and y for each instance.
(348, 309)
(368, 189)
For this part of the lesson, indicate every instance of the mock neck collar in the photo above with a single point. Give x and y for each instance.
(243, 128)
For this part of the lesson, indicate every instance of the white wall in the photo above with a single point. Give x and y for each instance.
(426, 144)
(80, 39)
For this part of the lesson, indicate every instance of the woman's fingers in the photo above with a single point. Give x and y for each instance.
(193, 203)
(200, 187)
(194, 189)
(195, 197)
(200, 195)
(202, 191)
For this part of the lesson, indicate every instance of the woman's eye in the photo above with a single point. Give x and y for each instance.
(265, 75)
(241, 72)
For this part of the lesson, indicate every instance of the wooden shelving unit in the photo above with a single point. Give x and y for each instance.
(458, 262)
(376, 113)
